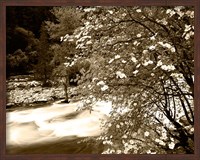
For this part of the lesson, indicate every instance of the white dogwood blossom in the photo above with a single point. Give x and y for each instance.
(120, 75)
(100, 83)
(168, 67)
(152, 47)
(135, 72)
(117, 56)
(105, 87)
(146, 134)
(171, 145)
(134, 59)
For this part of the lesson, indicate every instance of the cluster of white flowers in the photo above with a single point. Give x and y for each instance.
(117, 126)
(139, 35)
(190, 14)
(94, 79)
(150, 152)
(129, 145)
(66, 64)
(108, 151)
(124, 14)
(87, 101)
(98, 26)
(122, 110)
(145, 51)
(173, 49)
(159, 63)
(152, 74)
(179, 12)
(111, 61)
(138, 65)
(110, 11)
(164, 135)
(89, 42)
(107, 142)
(131, 141)
(123, 61)
(146, 63)
(136, 43)
(171, 12)
(117, 56)
(188, 35)
(187, 28)
(135, 72)
(61, 38)
(168, 67)
(134, 60)
(171, 145)
(120, 75)
(191, 130)
(162, 21)
(87, 23)
(152, 47)
(71, 64)
(178, 8)
(89, 9)
(160, 142)
(134, 104)
(191, 33)
(146, 134)
(167, 45)
(104, 87)
(152, 38)
(100, 83)
(138, 10)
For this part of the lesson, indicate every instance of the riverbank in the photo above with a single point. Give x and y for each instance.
(27, 92)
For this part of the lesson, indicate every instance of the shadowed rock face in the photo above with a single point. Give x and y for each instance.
(54, 129)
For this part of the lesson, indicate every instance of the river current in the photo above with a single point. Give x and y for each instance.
(51, 128)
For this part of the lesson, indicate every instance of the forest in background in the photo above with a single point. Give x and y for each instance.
(22, 33)
(140, 58)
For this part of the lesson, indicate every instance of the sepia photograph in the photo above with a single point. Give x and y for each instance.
(100, 80)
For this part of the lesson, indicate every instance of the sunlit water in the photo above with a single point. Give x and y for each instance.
(54, 122)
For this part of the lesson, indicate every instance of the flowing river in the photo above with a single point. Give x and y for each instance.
(56, 128)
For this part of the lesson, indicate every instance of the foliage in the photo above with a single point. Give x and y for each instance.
(32, 42)
(64, 72)
(21, 62)
(17, 62)
(22, 32)
(142, 59)
(29, 18)
(43, 68)
(67, 19)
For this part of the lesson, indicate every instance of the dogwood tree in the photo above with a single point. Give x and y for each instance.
(142, 59)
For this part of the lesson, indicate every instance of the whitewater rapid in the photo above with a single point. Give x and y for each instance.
(51, 123)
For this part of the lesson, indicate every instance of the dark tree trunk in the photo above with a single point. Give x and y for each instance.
(66, 84)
